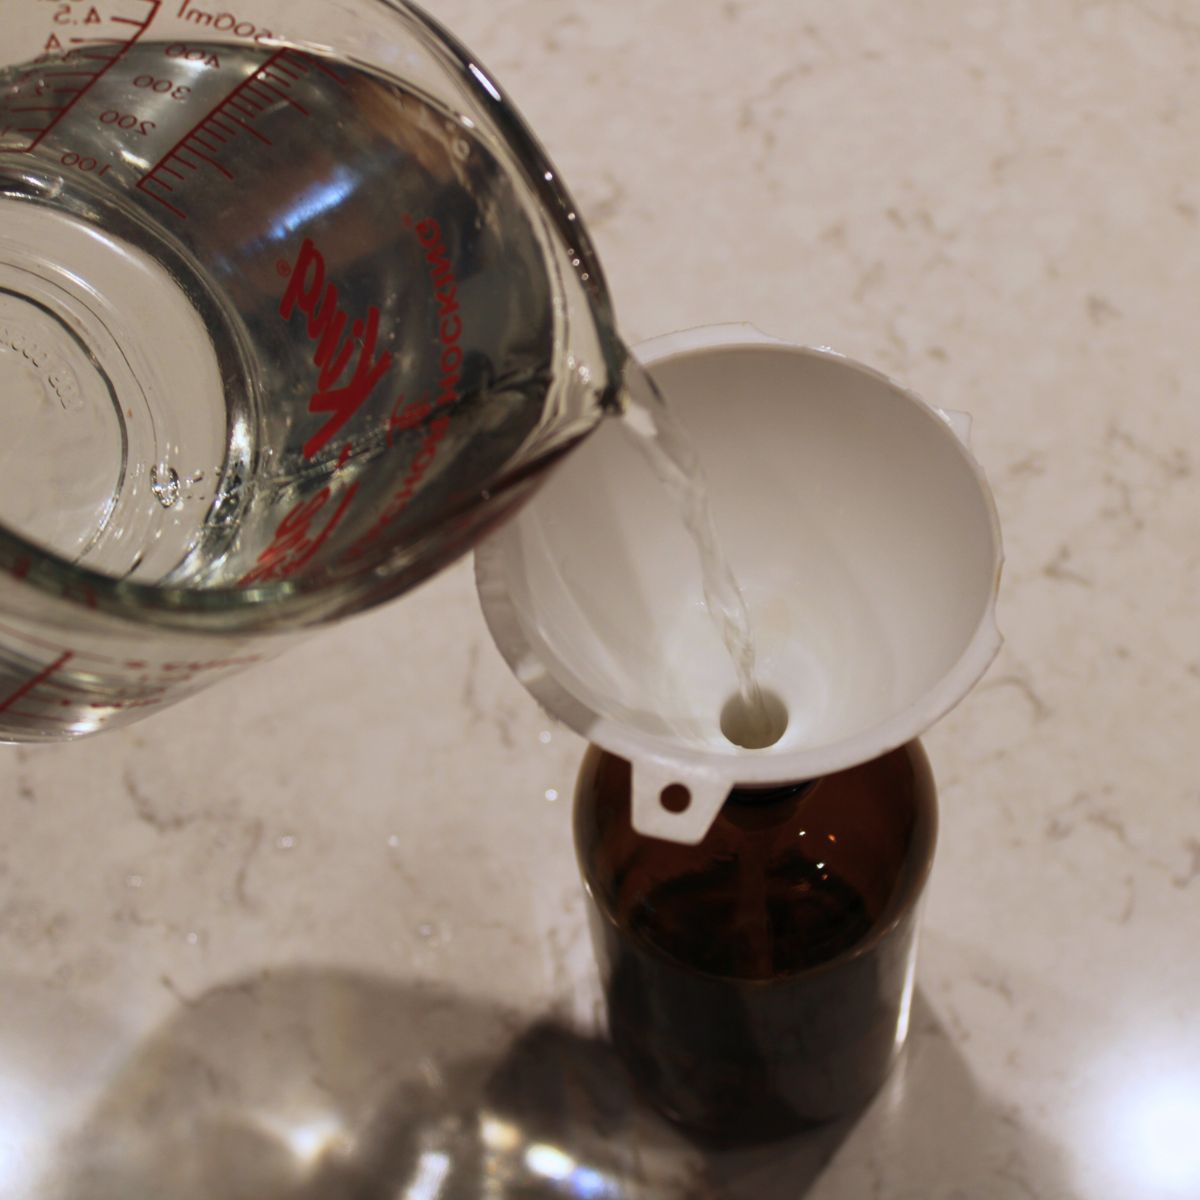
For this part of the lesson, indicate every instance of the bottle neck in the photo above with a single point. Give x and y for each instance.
(771, 794)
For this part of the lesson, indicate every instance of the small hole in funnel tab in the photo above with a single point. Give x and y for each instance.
(675, 798)
(754, 724)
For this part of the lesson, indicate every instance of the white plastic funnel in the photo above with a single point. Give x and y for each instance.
(860, 527)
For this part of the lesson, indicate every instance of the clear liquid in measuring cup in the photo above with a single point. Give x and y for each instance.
(316, 303)
(262, 314)
(264, 319)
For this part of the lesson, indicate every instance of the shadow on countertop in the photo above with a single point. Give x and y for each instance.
(931, 1133)
(305, 1084)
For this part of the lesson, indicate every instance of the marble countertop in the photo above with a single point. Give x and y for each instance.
(340, 894)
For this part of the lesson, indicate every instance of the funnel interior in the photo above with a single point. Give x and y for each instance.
(858, 526)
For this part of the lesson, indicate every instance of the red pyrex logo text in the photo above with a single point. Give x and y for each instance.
(306, 527)
(326, 325)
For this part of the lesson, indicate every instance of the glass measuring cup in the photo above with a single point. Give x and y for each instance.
(292, 310)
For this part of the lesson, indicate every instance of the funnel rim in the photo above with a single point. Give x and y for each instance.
(736, 765)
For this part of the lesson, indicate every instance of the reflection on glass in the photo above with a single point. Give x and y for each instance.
(520, 1163)
(497, 1134)
(432, 1168)
(322, 197)
(1161, 1119)
(548, 1161)
(310, 1140)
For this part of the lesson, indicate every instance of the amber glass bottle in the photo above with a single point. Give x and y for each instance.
(760, 981)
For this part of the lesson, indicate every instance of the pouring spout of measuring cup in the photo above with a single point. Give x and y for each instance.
(289, 319)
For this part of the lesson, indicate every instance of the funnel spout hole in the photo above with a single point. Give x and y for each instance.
(754, 722)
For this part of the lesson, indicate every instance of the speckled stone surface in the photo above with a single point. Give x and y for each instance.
(353, 868)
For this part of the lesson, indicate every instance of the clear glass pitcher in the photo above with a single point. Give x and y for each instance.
(292, 310)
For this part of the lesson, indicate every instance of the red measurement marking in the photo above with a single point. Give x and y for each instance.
(30, 684)
(54, 686)
(267, 86)
(121, 45)
(326, 69)
(208, 158)
(53, 701)
(218, 131)
(278, 94)
(34, 640)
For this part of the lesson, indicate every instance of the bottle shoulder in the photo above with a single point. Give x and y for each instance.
(784, 878)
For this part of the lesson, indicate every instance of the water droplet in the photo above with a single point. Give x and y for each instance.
(285, 841)
(552, 794)
(165, 486)
(193, 938)
(544, 737)
(431, 1073)
(394, 840)
(134, 881)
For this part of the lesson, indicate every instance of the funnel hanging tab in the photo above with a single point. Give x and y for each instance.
(678, 804)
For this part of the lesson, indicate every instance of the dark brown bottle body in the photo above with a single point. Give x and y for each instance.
(760, 981)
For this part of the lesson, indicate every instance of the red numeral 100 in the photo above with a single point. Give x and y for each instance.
(71, 159)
